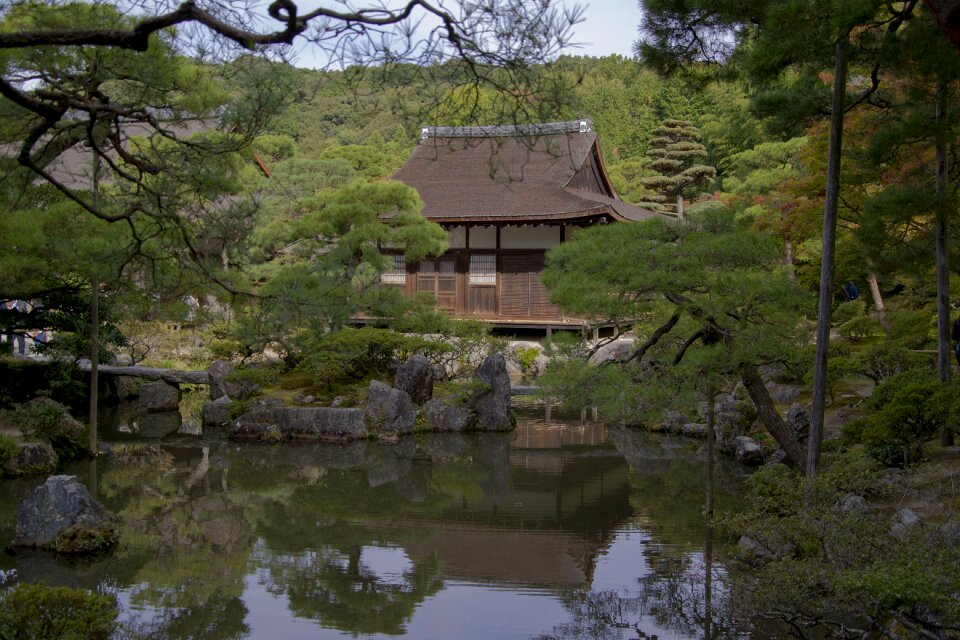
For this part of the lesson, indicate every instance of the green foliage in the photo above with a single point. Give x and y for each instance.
(526, 359)
(908, 408)
(46, 419)
(676, 155)
(817, 559)
(882, 360)
(353, 355)
(39, 612)
(8, 448)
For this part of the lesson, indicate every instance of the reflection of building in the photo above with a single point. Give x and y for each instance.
(544, 517)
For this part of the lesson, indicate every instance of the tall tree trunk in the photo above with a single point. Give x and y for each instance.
(787, 247)
(827, 256)
(769, 416)
(680, 206)
(943, 251)
(94, 325)
(878, 301)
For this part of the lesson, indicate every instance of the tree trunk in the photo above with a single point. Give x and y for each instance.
(680, 206)
(94, 361)
(94, 324)
(878, 301)
(827, 256)
(769, 416)
(787, 248)
(943, 251)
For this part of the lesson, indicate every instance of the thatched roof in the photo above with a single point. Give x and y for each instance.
(544, 172)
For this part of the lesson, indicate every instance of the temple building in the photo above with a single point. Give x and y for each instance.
(505, 195)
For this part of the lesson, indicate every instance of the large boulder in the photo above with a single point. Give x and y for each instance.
(321, 423)
(388, 410)
(159, 424)
(219, 387)
(902, 522)
(415, 376)
(441, 416)
(31, 459)
(61, 515)
(492, 402)
(748, 451)
(217, 412)
(159, 396)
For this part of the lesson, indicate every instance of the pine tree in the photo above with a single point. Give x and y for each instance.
(676, 154)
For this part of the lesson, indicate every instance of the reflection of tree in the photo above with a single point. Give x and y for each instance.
(339, 591)
(218, 618)
(672, 597)
(184, 544)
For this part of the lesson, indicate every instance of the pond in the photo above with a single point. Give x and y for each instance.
(562, 529)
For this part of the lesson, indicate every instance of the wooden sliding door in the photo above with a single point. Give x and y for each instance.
(522, 295)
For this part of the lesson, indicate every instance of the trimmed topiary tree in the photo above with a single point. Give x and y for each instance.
(676, 155)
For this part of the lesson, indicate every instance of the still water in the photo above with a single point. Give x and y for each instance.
(562, 529)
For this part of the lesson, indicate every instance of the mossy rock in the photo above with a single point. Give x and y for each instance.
(81, 539)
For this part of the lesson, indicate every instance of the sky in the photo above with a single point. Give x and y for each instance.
(608, 27)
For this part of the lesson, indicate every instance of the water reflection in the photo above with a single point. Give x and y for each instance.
(433, 537)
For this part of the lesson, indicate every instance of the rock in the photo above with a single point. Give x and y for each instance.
(321, 423)
(950, 533)
(440, 416)
(259, 422)
(902, 521)
(216, 413)
(694, 430)
(61, 515)
(388, 410)
(782, 394)
(32, 459)
(799, 421)
(415, 376)
(618, 349)
(750, 548)
(158, 396)
(492, 403)
(338, 401)
(853, 505)
(190, 428)
(748, 451)
(779, 457)
(219, 387)
(302, 400)
(126, 387)
(672, 421)
(159, 425)
(122, 360)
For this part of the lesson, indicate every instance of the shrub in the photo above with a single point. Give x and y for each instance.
(39, 612)
(357, 354)
(814, 559)
(908, 409)
(888, 358)
(8, 447)
(526, 359)
(46, 419)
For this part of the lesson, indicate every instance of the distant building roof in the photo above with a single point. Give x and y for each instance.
(514, 173)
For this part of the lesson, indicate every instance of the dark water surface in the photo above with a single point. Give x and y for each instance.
(561, 529)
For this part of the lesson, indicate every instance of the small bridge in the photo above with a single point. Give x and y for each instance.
(167, 375)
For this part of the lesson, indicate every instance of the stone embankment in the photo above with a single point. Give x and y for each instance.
(389, 410)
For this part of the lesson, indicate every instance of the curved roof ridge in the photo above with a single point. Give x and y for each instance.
(583, 125)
